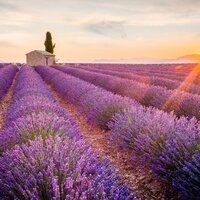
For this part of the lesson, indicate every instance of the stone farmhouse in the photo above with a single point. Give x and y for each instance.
(39, 57)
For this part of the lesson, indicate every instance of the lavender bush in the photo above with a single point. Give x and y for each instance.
(44, 156)
(186, 86)
(163, 143)
(182, 103)
(177, 72)
(98, 105)
(33, 111)
(6, 77)
(157, 139)
(57, 169)
(42, 124)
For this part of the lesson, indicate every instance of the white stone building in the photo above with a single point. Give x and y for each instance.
(38, 57)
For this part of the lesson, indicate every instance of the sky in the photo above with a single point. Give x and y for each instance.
(100, 29)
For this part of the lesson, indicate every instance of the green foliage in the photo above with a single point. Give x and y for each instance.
(49, 46)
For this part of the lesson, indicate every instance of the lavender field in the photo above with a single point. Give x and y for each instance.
(100, 131)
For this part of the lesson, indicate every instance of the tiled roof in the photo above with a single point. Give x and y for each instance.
(42, 52)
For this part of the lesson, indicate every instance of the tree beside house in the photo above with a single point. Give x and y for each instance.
(41, 57)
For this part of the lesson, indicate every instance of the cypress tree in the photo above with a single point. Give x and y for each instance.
(49, 46)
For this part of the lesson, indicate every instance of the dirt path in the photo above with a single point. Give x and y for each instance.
(140, 182)
(4, 103)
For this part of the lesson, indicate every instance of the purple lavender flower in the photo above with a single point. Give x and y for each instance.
(7, 74)
(97, 104)
(44, 156)
(55, 168)
(149, 95)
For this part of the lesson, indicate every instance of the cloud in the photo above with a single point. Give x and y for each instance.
(7, 44)
(94, 24)
(5, 6)
(107, 28)
(11, 28)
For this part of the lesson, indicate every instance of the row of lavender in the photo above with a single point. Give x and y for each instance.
(187, 85)
(4, 64)
(43, 155)
(169, 146)
(168, 71)
(7, 74)
(179, 68)
(181, 103)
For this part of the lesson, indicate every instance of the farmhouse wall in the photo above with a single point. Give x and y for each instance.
(35, 58)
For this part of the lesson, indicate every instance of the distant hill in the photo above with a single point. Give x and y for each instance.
(193, 58)
(133, 60)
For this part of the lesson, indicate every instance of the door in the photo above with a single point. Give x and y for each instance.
(47, 61)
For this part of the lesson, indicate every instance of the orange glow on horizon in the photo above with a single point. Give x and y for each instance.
(184, 85)
(179, 67)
